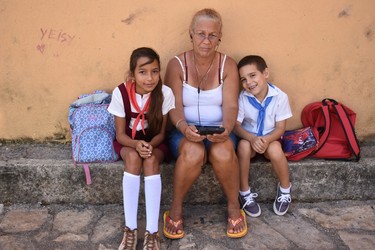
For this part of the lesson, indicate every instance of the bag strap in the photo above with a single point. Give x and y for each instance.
(126, 101)
(327, 126)
(348, 128)
(86, 168)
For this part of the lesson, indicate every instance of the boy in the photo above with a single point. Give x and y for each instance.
(261, 121)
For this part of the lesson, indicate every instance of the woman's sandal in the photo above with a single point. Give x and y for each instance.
(175, 224)
(234, 223)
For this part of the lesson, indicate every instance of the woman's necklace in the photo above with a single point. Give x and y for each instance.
(203, 78)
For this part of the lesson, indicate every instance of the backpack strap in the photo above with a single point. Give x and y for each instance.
(347, 127)
(126, 101)
(327, 126)
(86, 168)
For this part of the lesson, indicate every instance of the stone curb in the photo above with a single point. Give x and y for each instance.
(57, 181)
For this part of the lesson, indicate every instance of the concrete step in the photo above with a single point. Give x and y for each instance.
(45, 174)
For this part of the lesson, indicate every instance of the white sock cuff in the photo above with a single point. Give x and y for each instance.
(243, 193)
(131, 175)
(286, 190)
(152, 177)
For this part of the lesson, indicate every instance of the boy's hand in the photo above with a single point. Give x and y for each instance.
(259, 144)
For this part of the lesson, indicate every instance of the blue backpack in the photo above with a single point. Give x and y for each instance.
(93, 130)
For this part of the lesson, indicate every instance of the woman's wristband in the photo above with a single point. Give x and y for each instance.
(179, 122)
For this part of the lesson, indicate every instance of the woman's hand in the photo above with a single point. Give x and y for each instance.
(191, 133)
(219, 137)
(144, 149)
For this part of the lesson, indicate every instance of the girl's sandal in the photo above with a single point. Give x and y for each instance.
(175, 224)
(130, 239)
(234, 223)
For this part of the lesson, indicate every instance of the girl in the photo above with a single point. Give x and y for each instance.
(140, 107)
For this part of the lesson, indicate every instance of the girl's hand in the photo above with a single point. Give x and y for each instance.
(144, 149)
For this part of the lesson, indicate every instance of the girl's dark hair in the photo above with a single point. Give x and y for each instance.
(154, 113)
(258, 61)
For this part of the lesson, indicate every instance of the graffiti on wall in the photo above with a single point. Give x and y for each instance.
(53, 39)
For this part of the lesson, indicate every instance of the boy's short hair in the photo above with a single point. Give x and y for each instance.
(259, 62)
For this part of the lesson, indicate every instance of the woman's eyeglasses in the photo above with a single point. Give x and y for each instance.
(202, 36)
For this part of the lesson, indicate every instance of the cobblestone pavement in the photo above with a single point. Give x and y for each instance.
(324, 225)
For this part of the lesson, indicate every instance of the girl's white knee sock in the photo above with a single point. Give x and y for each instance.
(130, 190)
(152, 196)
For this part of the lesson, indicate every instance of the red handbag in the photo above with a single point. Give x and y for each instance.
(299, 143)
(335, 123)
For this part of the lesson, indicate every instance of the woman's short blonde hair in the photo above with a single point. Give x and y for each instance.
(209, 13)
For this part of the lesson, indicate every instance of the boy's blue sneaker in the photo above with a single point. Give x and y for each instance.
(249, 205)
(282, 201)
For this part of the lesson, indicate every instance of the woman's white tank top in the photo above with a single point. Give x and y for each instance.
(204, 107)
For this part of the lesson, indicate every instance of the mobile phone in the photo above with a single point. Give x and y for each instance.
(209, 130)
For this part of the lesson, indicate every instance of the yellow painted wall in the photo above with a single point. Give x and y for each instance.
(52, 51)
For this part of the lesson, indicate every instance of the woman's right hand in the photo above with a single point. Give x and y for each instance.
(191, 133)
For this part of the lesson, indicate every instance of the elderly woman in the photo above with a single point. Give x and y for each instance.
(206, 85)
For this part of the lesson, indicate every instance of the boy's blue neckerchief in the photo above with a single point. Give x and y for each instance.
(262, 110)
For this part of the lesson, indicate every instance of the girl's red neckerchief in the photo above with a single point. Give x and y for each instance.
(130, 87)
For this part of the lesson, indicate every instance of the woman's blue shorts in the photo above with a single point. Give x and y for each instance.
(175, 137)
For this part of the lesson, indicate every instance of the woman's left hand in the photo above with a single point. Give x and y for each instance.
(219, 137)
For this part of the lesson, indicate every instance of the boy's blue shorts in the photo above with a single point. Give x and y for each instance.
(175, 137)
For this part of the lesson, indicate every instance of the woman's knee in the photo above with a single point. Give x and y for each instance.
(222, 152)
(192, 152)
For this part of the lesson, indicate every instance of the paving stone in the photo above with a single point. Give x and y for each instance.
(42, 236)
(10, 242)
(355, 217)
(188, 242)
(73, 221)
(103, 247)
(72, 237)
(262, 236)
(22, 220)
(77, 227)
(212, 225)
(298, 231)
(213, 247)
(357, 241)
(107, 226)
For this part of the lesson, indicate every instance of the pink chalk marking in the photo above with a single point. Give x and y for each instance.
(41, 47)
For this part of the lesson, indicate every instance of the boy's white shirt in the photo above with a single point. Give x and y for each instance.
(278, 110)
(116, 107)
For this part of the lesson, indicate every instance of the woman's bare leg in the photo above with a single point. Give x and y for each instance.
(225, 165)
(187, 169)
